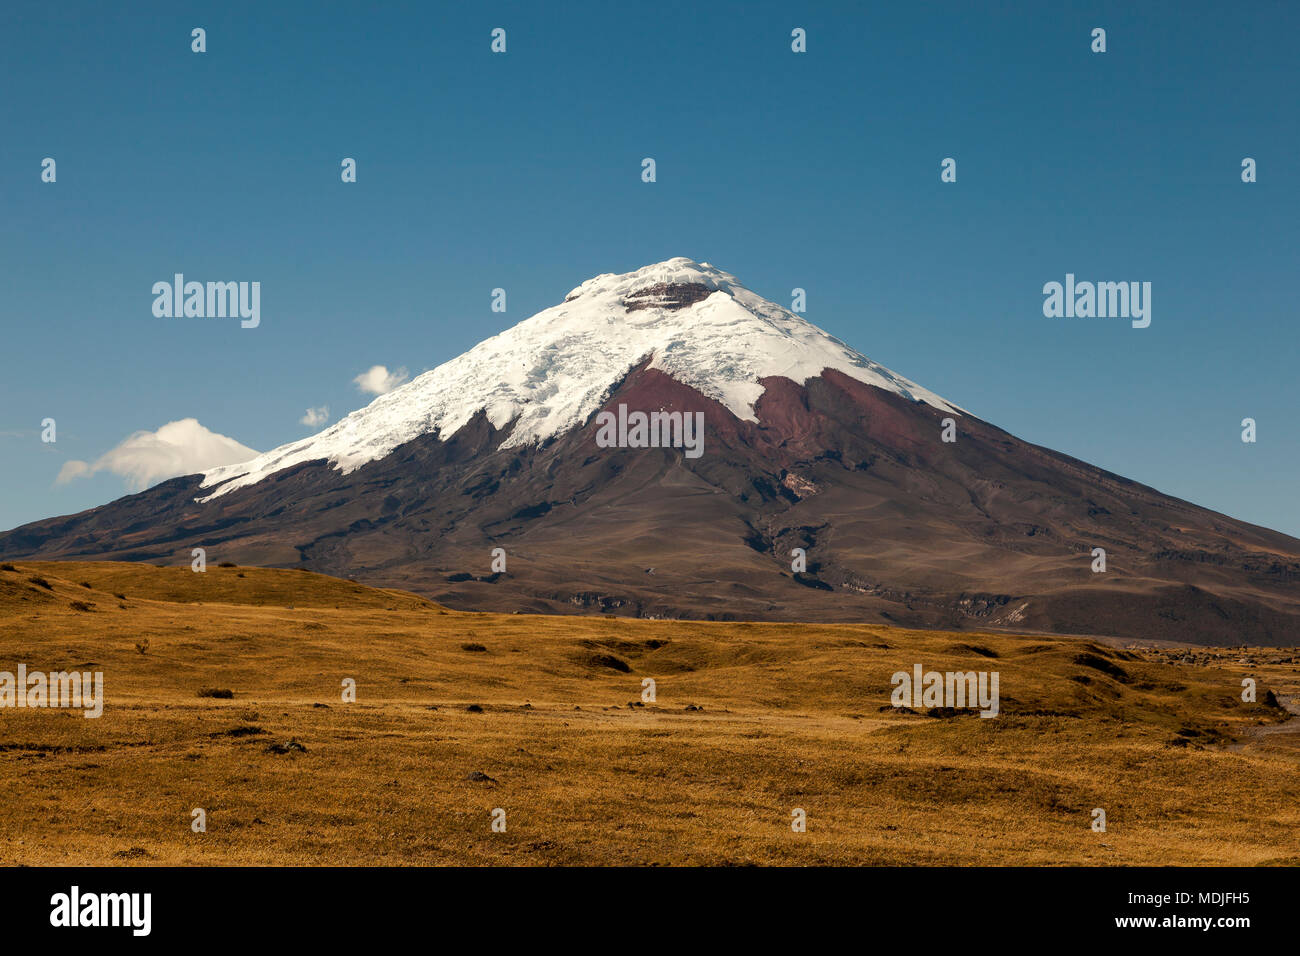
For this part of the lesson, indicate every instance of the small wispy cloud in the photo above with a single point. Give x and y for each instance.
(379, 380)
(315, 416)
(145, 458)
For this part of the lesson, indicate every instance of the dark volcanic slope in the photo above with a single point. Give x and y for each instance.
(898, 526)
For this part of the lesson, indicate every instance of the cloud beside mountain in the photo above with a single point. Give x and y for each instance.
(378, 380)
(315, 417)
(145, 458)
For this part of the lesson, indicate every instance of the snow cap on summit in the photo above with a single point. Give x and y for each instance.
(679, 271)
(551, 372)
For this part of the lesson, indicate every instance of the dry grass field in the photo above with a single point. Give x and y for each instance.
(459, 713)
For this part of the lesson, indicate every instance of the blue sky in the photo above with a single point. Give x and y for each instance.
(522, 171)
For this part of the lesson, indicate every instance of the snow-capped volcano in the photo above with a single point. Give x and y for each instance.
(549, 373)
(831, 490)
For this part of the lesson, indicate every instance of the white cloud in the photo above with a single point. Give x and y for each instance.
(379, 380)
(71, 470)
(146, 458)
(315, 416)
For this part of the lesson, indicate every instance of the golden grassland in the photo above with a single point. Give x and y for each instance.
(460, 713)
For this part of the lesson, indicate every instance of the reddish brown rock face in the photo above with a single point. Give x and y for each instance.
(898, 526)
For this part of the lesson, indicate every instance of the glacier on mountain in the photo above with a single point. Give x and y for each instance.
(550, 372)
